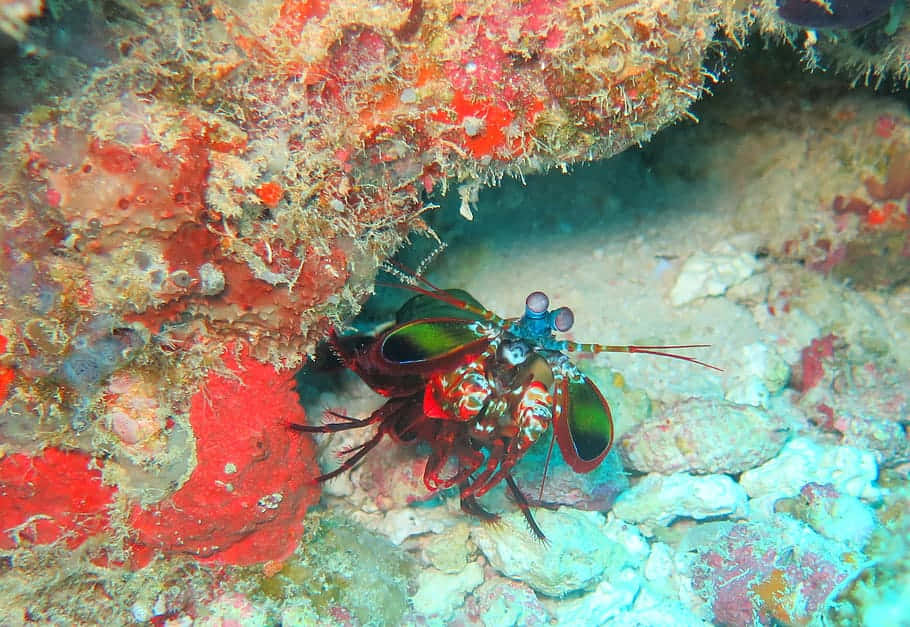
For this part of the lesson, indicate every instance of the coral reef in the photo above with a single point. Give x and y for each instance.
(808, 504)
(233, 176)
(182, 227)
(247, 191)
(221, 190)
(241, 500)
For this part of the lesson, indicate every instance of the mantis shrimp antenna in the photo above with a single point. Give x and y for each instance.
(422, 285)
(660, 351)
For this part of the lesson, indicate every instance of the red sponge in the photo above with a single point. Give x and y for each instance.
(52, 495)
(246, 499)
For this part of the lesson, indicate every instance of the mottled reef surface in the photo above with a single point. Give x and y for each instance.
(192, 194)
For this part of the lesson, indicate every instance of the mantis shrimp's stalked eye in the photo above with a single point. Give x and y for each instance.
(563, 319)
(536, 304)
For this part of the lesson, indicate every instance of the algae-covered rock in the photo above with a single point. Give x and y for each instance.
(341, 565)
(450, 551)
(704, 436)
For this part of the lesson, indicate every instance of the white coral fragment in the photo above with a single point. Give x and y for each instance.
(658, 500)
(711, 274)
(439, 594)
(850, 470)
(582, 548)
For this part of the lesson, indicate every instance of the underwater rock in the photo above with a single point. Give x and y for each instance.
(150, 445)
(834, 515)
(582, 549)
(92, 360)
(299, 615)
(751, 292)
(593, 491)
(450, 550)
(231, 609)
(343, 570)
(598, 489)
(874, 258)
(878, 595)
(779, 571)
(868, 413)
(440, 594)
(888, 440)
(234, 175)
(658, 500)
(501, 601)
(758, 374)
(390, 477)
(847, 14)
(254, 185)
(711, 274)
(668, 581)
(704, 436)
(626, 599)
(400, 524)
(801, 461)
(813, 359)
(650, 608)
(606, 602)
(659, 567)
